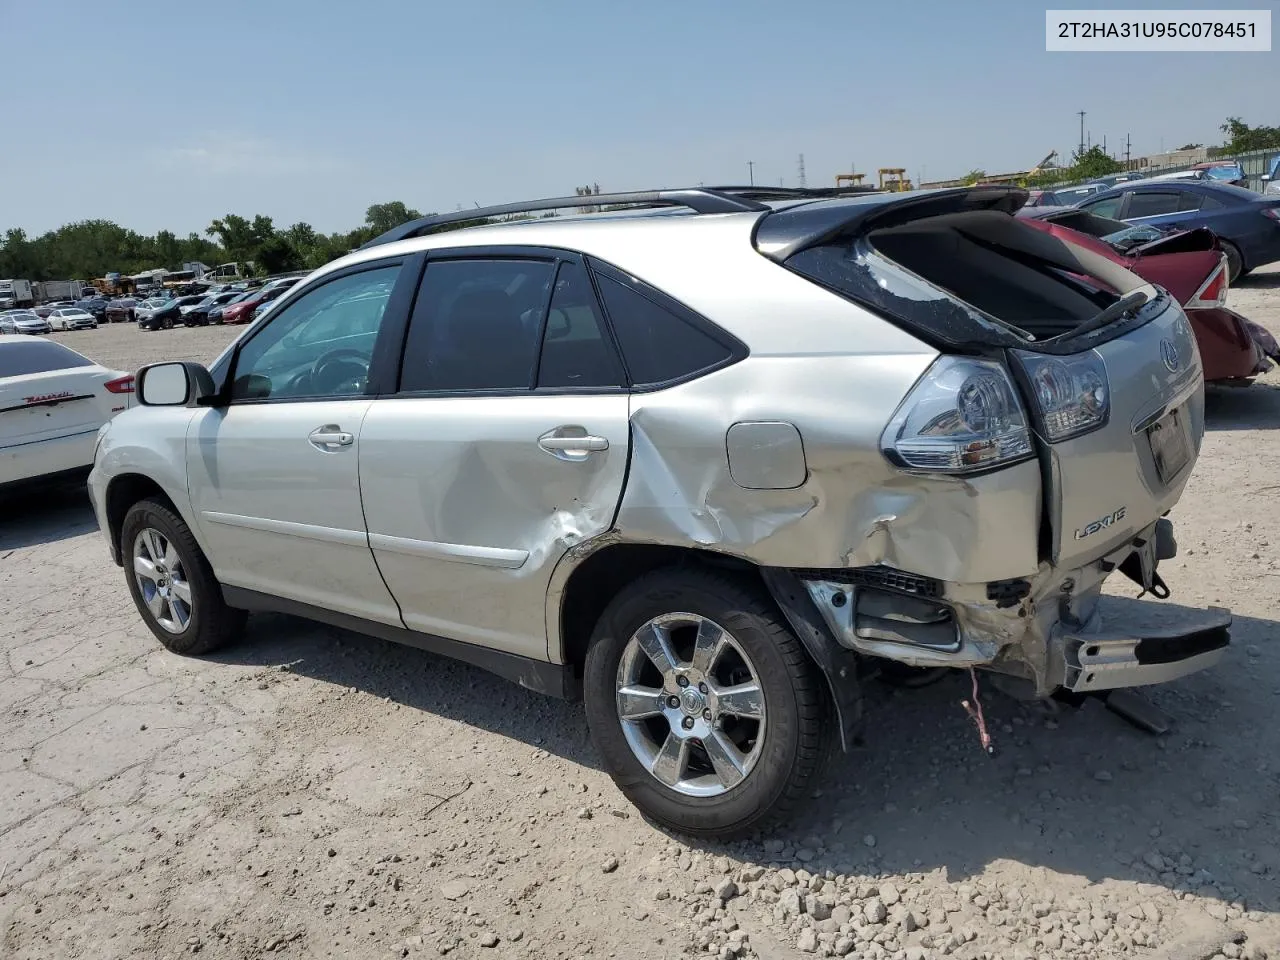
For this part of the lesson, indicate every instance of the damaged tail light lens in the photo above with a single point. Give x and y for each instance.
(1213, 292)
(962, 416)
(1071, 393)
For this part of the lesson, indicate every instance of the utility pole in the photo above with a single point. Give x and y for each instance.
(1126, 151)
(751, 172)
(803, 183)
(1081, 114)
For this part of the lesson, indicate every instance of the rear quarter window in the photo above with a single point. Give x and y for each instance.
(661, 343)
(18, 359)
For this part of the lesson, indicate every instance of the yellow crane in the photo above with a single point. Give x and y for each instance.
(894, 180)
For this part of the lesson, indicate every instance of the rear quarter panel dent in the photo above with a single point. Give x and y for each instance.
(854, 509)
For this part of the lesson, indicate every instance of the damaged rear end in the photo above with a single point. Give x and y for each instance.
(1051, 355)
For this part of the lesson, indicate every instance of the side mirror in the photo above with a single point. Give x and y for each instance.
(174, 384)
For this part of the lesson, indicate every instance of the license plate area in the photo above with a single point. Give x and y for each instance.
(1170, 445)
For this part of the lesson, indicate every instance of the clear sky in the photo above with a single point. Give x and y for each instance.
(162, 114)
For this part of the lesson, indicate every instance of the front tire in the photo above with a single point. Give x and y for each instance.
(172, 584)
(705, 708)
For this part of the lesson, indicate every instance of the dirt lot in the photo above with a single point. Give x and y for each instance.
(311, 793)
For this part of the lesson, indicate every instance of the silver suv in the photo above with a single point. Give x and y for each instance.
(705, 458)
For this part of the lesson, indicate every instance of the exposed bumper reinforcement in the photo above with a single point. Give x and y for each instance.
(1131, 643)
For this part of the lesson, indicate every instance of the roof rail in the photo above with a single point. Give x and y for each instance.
(795, 193)
(697, 199)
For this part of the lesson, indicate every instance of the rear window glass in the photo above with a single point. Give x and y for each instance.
(657, 345)
(19, 358)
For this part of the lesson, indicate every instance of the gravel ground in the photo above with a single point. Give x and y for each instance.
(311, 793)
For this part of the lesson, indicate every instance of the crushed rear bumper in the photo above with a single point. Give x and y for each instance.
(1054, 630)
(1128, 643)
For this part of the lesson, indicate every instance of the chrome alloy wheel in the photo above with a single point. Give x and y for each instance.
(162, 580)
(690, 704)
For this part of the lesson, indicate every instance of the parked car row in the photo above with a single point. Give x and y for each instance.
(235, 303)
(1212, 171)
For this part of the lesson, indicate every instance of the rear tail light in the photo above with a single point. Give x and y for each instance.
(120, 385)
(1272, 212)
(1213, 292)
(963, 416)
(1071, 393)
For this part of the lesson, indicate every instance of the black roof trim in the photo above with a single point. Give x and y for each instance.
(697, 199)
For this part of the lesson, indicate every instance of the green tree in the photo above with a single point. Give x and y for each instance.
(1241, 138)
(277, 255)
(236, 236)
(1190, 146)
(973, 176)
(381, 217)
(1094, 163)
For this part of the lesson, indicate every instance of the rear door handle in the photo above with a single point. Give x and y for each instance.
(330, 436)
(556, 443)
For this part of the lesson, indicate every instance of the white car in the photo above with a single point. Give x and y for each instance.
(72, 318)
(52, 403)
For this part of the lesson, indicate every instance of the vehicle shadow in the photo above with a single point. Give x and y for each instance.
(1259, 281)
(45, 514)
(1256, 407)
(1074, 790)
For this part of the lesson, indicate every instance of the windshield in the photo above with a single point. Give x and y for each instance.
(1231, 172)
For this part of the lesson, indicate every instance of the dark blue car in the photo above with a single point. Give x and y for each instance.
(1247, 224)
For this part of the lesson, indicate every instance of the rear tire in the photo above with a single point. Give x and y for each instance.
(153, 534)
(782, 752)
(1235, 261)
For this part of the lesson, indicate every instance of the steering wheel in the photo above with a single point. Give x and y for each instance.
(337, 367)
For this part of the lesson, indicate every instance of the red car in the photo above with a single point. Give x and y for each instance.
(1187, 263)
(241, 311)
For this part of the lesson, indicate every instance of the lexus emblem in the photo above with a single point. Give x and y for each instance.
(1169, 354)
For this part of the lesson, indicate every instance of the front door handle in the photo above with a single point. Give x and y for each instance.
(330, 436)
(571, 443)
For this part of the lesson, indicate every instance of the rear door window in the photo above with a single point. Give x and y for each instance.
(1189, 202)
(477, 324)
(576, 350)
(1152, 204)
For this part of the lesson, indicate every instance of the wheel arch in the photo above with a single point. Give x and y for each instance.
(580, 594)
(583, 587)
(122, 493)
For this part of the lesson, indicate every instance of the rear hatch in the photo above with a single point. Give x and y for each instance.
(955, 269)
